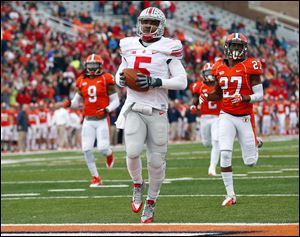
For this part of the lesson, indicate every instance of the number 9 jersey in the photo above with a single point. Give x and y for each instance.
(236, 81)
(94, 92)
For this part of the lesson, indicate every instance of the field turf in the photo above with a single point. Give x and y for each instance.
(54, 188)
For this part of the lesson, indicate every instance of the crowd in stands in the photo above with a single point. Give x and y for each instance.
(40, 65)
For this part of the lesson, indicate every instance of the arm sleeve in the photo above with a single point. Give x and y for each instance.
(121, 67)
(258, 93)
(178, 80)
(113, 102)
(75, 102)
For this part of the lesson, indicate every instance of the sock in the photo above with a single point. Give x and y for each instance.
(134, 167)
(228, 182)
(90, 161)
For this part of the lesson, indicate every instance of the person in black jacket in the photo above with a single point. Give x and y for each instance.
(22, 127)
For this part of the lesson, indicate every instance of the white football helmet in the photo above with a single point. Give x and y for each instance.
(151, 13)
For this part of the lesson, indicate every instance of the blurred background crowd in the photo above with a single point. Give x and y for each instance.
(39, 66)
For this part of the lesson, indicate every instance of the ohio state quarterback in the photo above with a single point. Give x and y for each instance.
(96, 89)
(144, 114)
(238, 86)
(209, 112)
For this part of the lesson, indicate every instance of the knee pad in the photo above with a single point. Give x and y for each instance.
(226, 158)
(106, 152)
(134, 150)
(156, 160)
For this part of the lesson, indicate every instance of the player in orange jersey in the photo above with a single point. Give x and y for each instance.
(96, 89)
(209, 112)
(238, 87)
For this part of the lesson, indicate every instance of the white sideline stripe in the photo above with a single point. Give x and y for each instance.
(236, 177)
(161, 196)
(67, 190)
(153, 224)
(19, 194)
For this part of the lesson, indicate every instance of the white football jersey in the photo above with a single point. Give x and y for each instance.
(153, 61)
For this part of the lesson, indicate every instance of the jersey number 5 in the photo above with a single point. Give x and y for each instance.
(138, 61)
(238, 79)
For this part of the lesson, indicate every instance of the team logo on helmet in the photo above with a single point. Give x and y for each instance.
(236, 46)
(153, 31)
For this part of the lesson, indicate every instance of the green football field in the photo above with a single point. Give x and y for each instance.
(54, 188)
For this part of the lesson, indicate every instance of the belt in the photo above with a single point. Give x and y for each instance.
(94, 118)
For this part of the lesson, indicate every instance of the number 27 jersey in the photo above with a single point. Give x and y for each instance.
(236, 81)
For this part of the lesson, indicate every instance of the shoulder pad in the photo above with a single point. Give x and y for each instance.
(253, 66)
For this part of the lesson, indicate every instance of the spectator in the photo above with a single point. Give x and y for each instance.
(22, 127)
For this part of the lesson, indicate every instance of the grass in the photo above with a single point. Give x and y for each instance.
(267, 193)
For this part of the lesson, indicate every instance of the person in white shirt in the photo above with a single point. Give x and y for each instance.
(144, 114)
(61, 118)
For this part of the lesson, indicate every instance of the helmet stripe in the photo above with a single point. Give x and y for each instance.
(93, 57)
(150, 10)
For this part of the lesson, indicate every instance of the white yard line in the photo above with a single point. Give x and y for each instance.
(160, 196)
(236, 177)
(19, 194)
(67, 190)
(265, 172)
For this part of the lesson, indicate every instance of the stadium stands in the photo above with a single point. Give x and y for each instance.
(43, 42)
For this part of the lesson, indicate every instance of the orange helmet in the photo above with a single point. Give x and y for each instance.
(93, 65)
(236, 46)
(206, 73)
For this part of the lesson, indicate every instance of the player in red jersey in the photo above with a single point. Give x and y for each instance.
(238, 87)
(209, 112)
(96, 89)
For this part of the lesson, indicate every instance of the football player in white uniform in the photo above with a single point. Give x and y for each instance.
(144, 114)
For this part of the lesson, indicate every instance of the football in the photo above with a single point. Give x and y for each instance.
(130, 76)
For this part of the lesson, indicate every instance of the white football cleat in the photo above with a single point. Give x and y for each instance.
(148, 212)
(212, 170)
(229, 201)
(137, 197)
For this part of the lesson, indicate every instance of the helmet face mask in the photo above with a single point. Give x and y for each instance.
(93, 68)
(93, 65)
(151, 24)
(236, 46)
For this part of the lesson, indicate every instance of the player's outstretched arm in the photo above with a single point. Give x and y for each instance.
(178, 80)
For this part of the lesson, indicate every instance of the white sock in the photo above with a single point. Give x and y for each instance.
(215, 154)
(228, 182)
(134, 167)
(90, 161)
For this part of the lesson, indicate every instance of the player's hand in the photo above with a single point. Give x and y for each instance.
(202, 98)
(102, 112)
(67, 104)
(122, 80)
(237, 99)
(145, 81)
(193, 109)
